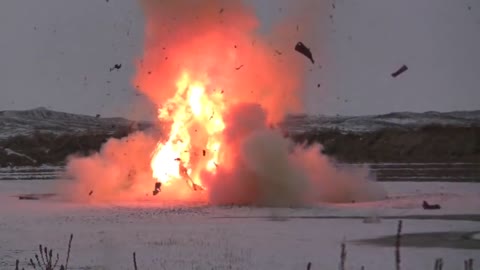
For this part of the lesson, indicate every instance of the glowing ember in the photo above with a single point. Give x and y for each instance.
(194, 141)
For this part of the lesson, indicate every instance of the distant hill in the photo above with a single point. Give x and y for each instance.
(15, 123)
(297, 124)
(41, 136)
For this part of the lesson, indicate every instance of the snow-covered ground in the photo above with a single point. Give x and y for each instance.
(200, 236)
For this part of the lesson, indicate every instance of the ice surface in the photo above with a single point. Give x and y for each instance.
(198, 236)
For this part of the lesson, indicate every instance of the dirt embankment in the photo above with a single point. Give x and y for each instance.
(50, 149)
(427, 144)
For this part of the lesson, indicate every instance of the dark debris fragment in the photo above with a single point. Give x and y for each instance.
(301, 48)
(116, 66)
(157, 188)
(238, 68)
(428, 206)
(28, 197)
(401, 70)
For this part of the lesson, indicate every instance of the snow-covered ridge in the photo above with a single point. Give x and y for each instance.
(13, 123)
(369, 123)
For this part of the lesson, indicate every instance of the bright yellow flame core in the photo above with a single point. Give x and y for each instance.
(194, 141)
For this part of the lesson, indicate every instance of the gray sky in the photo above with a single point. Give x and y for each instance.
(57, 54)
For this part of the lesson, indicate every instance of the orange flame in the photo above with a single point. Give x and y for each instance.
(194, 140)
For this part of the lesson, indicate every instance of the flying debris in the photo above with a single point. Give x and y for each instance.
(238, 68)
(156, 189)
(116, 66)
(97, 116)
(401, 70)
(301, 48)
(184, 173)
(90, 193)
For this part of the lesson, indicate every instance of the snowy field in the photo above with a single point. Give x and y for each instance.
(177, 236)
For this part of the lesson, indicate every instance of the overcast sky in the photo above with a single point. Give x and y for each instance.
(57, 54)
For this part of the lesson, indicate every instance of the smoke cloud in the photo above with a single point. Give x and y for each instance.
(259, 77)
(262, 167)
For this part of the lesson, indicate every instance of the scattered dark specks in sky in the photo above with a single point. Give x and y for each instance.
(116, 66)
(97, 116)
(221, 11)
(238, 68)
(401, 70)
(469, 7)
(278, 52)
(235, 46)
(318, 85)
(301, 48)
(333, 5)
(149, 72)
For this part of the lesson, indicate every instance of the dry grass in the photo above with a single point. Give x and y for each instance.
(45, 259)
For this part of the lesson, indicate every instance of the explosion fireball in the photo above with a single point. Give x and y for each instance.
(220, 87)
(195, 136)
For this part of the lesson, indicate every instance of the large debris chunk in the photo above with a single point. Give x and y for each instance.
(401, 70)
(157, 187)
(428, 206)
(301, 48)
